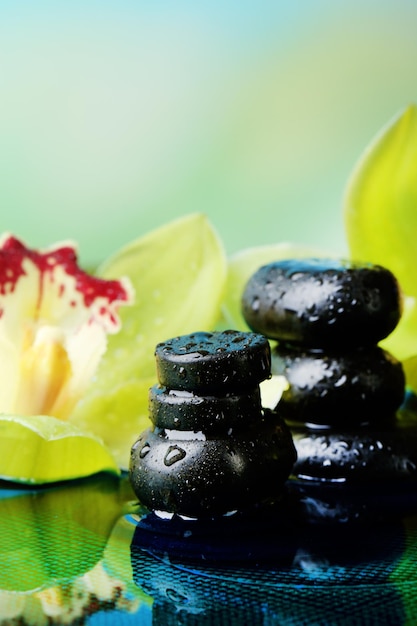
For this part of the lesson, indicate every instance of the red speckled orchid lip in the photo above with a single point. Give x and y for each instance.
(54, 319)
(100, 296)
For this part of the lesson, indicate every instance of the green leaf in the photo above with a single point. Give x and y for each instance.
(381, 216)
(243, 265)
(178, 272)
(42, 449)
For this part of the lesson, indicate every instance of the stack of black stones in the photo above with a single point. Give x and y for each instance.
(212, 450)
(344, 391)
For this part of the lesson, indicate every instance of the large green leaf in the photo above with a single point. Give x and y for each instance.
(178, 272)
(42, 449)
(381, 216)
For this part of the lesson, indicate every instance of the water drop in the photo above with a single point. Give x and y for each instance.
(146, 448)
(255, 304)
(174, 454)
(182, 372)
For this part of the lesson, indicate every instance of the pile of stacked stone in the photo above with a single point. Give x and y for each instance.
(327, 318)
(212, 450)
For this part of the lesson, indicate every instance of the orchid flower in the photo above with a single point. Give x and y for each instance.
(74, 378)
(54, 320)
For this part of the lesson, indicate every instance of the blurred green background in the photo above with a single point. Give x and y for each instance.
(117, 115)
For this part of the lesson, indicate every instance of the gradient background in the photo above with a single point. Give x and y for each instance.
(117, 115)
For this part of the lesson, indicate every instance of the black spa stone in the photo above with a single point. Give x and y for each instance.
(217, 362)
(359, 386)
(382, 454)
(322, 302)
(201, 476)
(212, 448)
(185, 410)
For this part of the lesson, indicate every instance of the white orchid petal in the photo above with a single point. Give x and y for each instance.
(9, 374)
(54, 319)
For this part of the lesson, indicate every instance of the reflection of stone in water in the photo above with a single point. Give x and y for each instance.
(338, 576)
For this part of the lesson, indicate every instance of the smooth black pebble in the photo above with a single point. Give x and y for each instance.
(354, 387)
(213, 362)
(322, 302)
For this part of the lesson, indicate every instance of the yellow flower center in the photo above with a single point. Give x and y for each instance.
(45, 371)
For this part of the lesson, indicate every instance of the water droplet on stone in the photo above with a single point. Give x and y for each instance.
(255, 304)
(174, 454)
(146, 448)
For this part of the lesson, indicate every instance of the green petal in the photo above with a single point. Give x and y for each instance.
(178, 273)
(117, 416)
(381, 216)
(410, 370)
(42, 449)
(243, 265)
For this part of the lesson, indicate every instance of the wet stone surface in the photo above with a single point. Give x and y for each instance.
(206, 362)
(344, 395)
(322, 302)
(212, 449)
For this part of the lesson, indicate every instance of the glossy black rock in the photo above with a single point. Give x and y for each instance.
(322, 302)
(213, 362)
(363, 385)
(184, 410)
(377, 455)
(202, 476)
